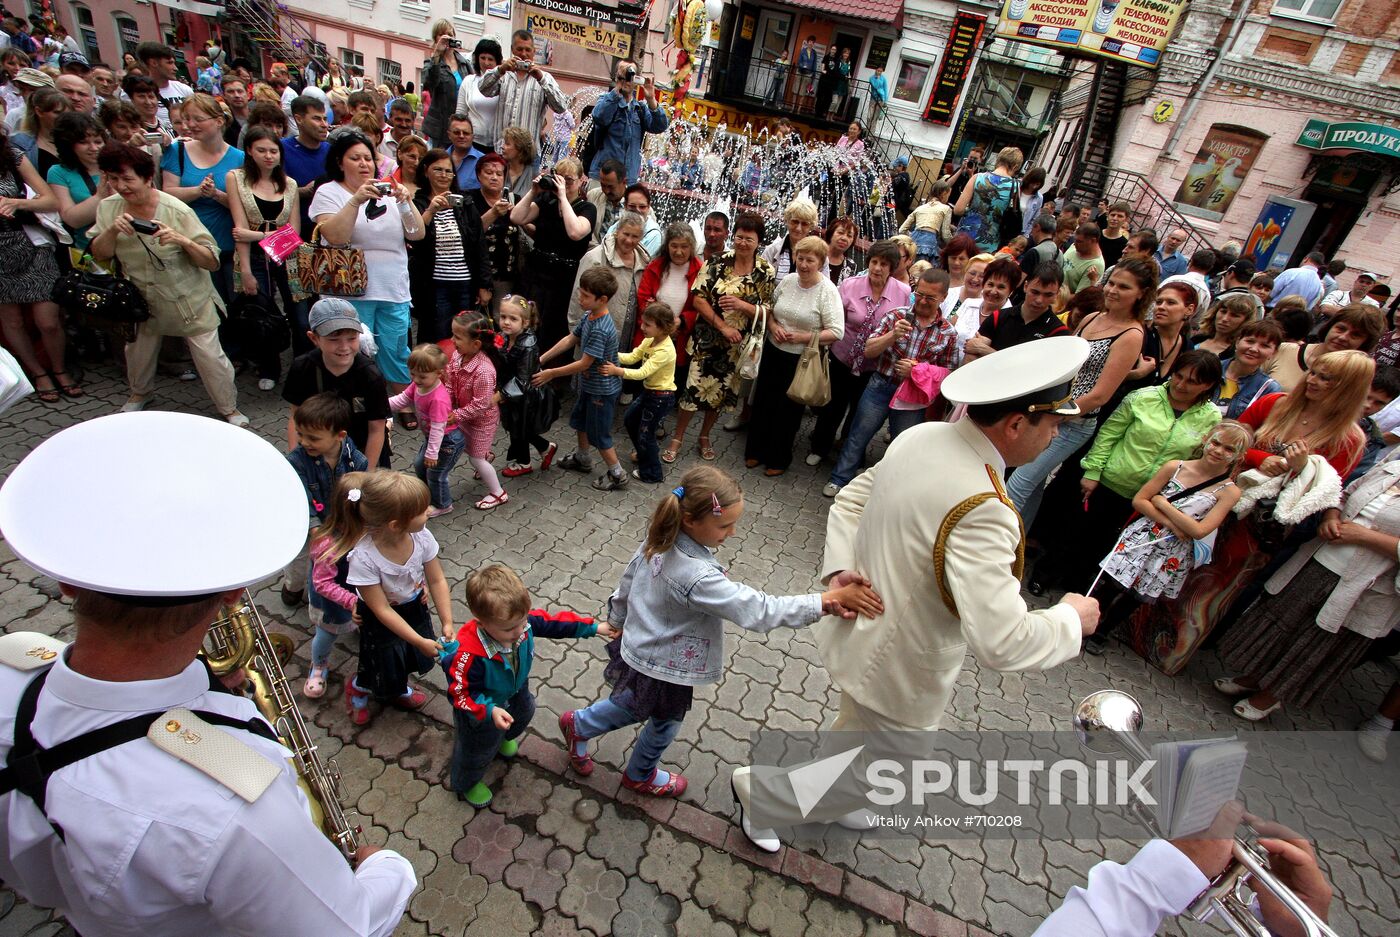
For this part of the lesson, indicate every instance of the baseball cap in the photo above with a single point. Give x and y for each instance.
(1373, 277)
(331, 315)
(69, 59)
(33, 78)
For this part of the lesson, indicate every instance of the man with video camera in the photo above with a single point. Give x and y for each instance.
(622, 116)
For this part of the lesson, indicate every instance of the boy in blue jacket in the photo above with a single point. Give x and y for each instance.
(489, 674)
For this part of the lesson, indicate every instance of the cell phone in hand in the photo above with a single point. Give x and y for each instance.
(153, 139)
(909, 317)
(144, 227)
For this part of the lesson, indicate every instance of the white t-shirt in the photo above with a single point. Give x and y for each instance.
(1343, 298)
(674, 289)
(380, 237)
(288, 96)
(799, 308)
(174, 91)
(968, 319)
(401, 583)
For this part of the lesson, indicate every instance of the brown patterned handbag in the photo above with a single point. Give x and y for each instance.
(328, 270)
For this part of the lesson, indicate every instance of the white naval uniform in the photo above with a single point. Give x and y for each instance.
(155, 847)
(1128, 900)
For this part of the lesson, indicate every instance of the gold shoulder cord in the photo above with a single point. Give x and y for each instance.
(961, 510)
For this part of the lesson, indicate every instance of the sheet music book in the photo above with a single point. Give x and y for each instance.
(1193, 780)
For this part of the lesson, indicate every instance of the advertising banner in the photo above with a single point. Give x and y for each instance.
(592, 38)
(1134, 31)
(1226, 156)
(1350, 135)
(588, 11)
(952, 74)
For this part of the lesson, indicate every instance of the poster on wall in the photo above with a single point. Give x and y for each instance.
(1135, 31)
(957, 61)
(1226, 156)
(499, 8)
(879, 54)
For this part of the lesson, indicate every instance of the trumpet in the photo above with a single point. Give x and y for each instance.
(239, 639)
(1108, 722)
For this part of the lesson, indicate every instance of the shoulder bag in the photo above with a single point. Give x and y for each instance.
(328, 270)
(751, 350)
(811, 384)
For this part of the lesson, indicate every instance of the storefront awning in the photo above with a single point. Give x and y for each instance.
(1350, 135)
(198, 7)
(881, 11)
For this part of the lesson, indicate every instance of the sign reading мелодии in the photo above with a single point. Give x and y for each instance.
(1350, 135)
(1133, 31)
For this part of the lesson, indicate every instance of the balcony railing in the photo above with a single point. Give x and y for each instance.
(763, 85)
(1151, 209)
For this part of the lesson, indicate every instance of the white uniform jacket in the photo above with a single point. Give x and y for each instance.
(155, 847)
(935, 478)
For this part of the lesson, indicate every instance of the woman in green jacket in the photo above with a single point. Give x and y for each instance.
(1150, 427)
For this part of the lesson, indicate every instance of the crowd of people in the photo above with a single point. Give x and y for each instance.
(1188, 473)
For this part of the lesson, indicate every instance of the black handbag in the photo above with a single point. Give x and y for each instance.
(98, 294)
(257, 324)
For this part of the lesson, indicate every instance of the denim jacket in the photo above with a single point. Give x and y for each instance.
(319, 480)
(672, 608)
(623, 124)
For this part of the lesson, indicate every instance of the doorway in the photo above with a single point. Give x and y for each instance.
(772, 39)
(846, 109)
(1339, 189)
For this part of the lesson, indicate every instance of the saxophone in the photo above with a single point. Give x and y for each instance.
(239, 639)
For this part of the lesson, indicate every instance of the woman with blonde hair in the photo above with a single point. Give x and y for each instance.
(519, 152)
(908, 253)
(371, 126)
(800, 217)
(195, 170)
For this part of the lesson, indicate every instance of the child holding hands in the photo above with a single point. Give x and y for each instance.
(442, 439)
(471, 379)
(671, 606)
(653, 362)
(392, 561)
(488, 677)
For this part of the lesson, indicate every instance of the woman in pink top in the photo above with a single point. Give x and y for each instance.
(472, 381)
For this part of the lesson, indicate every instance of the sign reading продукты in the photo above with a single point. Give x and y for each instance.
(952, 75)
(592, 38)
(1350, 135)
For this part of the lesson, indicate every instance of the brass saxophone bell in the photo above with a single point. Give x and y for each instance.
(1101, 715)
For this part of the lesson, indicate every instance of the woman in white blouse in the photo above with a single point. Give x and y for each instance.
(470, 100)
(805, 303)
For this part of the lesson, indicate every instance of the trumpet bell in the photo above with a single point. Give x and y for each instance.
(1100, 716)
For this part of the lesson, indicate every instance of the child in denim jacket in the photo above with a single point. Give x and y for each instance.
(671, 606)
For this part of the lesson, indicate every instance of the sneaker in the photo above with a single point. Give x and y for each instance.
(547, 459)
(637, 474)
(734, 424)
(624, 400)
(515, 470)
(582, 764)
(577, 462)
(831, 490)
(478, 795)
(610, 482)
(509, 748)
(293, 597)
(237, 419)
(438, 512)
(1372, 743)
(187, 375)
(814, 459)
(266, 383)
(135, 405)
(356, 703)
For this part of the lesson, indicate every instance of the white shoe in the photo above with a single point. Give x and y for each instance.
(237, 419)
(1372, 743)
(831, 490)
(266, 383)
(135, 405)
(814, 459)
(858, 820)
(766, 840)
(187, 375)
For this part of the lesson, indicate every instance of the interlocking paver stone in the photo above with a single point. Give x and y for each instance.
(670, 862)
(646, 912)
(502, 911)
(539, 871)
(723, 885)
(591, 895)
(489, 845)
(619, 841)
(778, 908)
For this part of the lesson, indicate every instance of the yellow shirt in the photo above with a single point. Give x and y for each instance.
(658, 360)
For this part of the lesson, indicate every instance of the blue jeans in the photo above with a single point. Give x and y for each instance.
(477, 743)
(439, 477)
(871, 413)
(1027, 484)
(321, 645)
(389, 322)
(593, 415)
(449, 298)
(643, 416)
(656, 736)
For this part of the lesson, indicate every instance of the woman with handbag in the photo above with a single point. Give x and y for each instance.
(449, 267)
(170, 270)
(351, 210)
(729, 295)
(261, 201)
(806, 308)
(28, 272)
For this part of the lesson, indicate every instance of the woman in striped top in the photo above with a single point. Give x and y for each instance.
(448, 269)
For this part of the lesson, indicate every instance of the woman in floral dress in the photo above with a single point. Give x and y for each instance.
(727, 295)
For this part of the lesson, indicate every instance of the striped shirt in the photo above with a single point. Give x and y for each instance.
(523, 102)
(449, 260)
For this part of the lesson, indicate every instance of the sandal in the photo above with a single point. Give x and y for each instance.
(47, 396)
(707, 452)
(674, 787)
(492, 501)
(773, 473)
(1247, 710)
(71, 390)
(671, 452)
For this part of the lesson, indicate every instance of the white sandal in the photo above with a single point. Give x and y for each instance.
(492, 501)
(1247, 710)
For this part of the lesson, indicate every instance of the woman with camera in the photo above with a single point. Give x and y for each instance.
(445, 70)
(563, 223)
(493, 203)
(378, 218)
(167, 254)
(449, 269)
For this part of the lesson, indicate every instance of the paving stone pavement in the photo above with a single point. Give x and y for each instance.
(556, 854)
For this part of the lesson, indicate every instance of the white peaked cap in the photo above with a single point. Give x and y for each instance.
(155, 504)
(1037, 370)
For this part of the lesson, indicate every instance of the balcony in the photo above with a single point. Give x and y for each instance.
(765, 88)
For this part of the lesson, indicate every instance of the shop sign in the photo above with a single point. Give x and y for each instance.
(952, 74)
(588, 11)
(698, 110)
(1226, 156)
(1134, 31)
(1350, 135)
(879, 54)
(1163, 112)
(592, 38)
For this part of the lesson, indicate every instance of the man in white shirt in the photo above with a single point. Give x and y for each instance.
(159, 62)
(1199, 267)
(525, 90)
(180, 807)
(1333, 302)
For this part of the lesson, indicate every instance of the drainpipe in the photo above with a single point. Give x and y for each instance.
(1193, 100)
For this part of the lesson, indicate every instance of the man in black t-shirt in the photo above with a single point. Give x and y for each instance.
(1033, 319)
(1114, 239)
(336, 366)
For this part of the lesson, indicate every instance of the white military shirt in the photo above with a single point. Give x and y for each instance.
(155, 847)
(1128, 900)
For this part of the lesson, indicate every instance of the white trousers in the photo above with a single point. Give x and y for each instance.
(210, 362)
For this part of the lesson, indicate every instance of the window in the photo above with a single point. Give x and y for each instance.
(351, 59)
(128, 35)
(913, 75)
(87, 35)
(1323, 10)
(474, 7)
(389, 73)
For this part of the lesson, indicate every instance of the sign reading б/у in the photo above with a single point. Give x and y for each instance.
(592, 38)
(952, 74)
